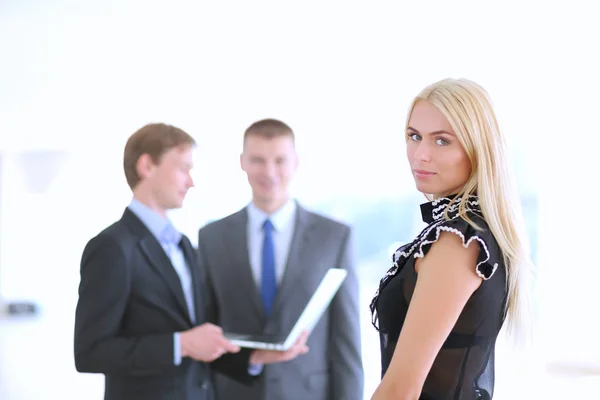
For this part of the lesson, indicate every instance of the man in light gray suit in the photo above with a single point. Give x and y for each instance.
(264, 262)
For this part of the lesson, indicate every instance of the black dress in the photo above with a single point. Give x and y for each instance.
(464, 366)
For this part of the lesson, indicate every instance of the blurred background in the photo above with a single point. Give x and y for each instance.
(77, 78)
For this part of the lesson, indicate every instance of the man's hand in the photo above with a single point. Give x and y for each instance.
(273, 356)
(205, 343)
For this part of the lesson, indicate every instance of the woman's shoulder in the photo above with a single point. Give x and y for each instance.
(470, 225)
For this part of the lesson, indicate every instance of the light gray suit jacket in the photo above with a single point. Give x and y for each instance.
(332, 369)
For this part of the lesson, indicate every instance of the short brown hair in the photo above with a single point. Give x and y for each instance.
(269, 128)
(155, 140)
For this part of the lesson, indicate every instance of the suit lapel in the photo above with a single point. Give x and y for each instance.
(293, 268)
(157, 258)
(240, 270)
(197, 282)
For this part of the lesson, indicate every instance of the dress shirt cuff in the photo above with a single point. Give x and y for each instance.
(176, 348)
(255, 369)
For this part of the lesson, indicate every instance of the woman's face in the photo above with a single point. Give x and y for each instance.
(438, 161)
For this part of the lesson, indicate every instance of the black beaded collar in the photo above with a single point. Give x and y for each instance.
(434, 210)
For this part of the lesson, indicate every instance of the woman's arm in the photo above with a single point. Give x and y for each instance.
(446, 280)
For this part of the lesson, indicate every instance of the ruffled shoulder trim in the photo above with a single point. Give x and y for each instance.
(488, 259)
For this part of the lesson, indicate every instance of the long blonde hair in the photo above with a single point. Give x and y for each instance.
(468, 109)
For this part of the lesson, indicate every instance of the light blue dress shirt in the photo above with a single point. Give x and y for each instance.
(169, 239)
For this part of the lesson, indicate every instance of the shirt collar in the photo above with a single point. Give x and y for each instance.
(280, 218)
(158, 225)
(434, 210)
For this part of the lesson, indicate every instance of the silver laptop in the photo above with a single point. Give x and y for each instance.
(313, 311)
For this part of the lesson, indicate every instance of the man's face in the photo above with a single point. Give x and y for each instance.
(170, 179)
(270, 164)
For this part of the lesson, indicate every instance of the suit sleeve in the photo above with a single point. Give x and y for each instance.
(103, 296)
(345, 340)
(236, 365)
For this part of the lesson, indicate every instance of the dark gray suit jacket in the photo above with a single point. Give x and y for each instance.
(332, 370)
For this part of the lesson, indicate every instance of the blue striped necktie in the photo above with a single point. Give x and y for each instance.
(268, 280)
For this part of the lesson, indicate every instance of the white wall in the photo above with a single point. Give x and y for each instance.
(84, 77)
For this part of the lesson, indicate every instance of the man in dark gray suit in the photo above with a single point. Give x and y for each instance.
(264, 262)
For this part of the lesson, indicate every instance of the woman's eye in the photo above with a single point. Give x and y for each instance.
(414, 136)
(441, 142)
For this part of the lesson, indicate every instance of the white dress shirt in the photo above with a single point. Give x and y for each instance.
(284, 222)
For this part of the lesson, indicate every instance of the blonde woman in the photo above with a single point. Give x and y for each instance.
(440, 307)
